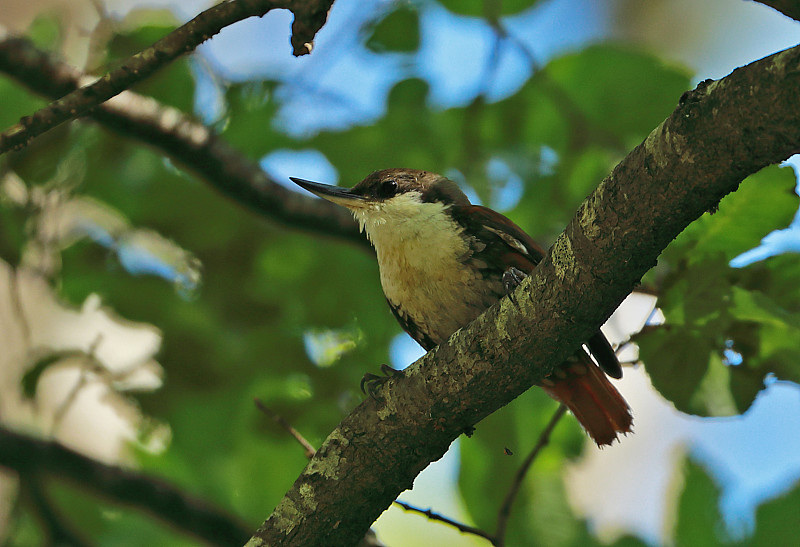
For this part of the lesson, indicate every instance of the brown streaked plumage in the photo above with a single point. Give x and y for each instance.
(443, 261)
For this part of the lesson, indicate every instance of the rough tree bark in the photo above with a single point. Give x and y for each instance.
(719, 133)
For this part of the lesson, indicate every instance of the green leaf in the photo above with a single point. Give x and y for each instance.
(767, 339)
(676, 359)
(714, 394)
(776, 520)
(398, 31)
(698, 296)
(699, 521)
(487, 8)
(620, 90)
(764, 202)
(17, 102)
(756, 307)
(776, 277)
(12, 231)
(45, 32)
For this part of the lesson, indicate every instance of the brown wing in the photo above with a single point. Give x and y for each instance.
(508, 245)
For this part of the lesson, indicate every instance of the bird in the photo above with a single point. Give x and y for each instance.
(443, 261)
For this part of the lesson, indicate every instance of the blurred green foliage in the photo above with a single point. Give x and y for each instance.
(398, 31)
(483, 8)
(242, 336)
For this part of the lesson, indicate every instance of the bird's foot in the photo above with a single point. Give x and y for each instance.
(371, 383)
(512, 277)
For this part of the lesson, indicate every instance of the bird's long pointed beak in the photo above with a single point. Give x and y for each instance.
(335, 194)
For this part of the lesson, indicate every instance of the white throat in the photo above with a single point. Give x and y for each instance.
(407, 227)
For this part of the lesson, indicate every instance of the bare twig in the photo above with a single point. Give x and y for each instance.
(464, 528)
(281, 421)
(310, 451)
(505, 509)
(370, 539)
(27, 455)
(310, 15)
(498, 539)
(185, 141)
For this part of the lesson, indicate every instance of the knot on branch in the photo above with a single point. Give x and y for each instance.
(308, 20)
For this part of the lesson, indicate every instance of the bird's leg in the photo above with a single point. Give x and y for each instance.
(512, 277)
(370, 383)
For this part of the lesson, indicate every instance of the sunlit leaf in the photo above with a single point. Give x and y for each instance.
(764, 202)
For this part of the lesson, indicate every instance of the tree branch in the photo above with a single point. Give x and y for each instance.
(790, 8)
(463, 528)
(31, 457)
(310, 15)
(719, 133)
(284, 423)
(186, 141)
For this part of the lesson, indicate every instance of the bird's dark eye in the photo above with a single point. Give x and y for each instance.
(387, 189)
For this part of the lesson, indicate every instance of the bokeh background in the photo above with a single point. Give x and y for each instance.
(142, 311)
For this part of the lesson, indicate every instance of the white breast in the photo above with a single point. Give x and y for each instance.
(423, 271)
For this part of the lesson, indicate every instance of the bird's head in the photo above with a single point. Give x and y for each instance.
(405, 201)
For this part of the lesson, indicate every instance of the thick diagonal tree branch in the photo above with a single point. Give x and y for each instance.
(186, 141)
(719, 133)
(43, 458)
(790, 8)
(309, 15)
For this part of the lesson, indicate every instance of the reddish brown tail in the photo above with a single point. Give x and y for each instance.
(594, 401)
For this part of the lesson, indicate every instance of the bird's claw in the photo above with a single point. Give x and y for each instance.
(371, 383)
(512, 277)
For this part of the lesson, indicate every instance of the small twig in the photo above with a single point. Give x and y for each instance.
(450, 522)
(310, 451)
(281, 421)
(505, 509)
(369, 539)
(309, 18)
